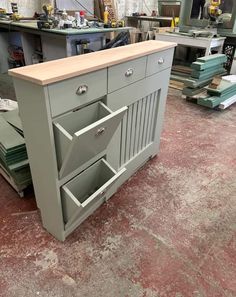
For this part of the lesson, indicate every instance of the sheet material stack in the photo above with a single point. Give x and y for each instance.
(203, 71)
(14, 162)
(223, 92)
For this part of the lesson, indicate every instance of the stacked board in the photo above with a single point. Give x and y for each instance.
(224, 91)
(203, 71)
(14, 162)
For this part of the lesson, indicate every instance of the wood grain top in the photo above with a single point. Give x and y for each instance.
(54, 71)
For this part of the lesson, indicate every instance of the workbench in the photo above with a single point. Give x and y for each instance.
(90, 122)
(136, 21)
(55, 43)
(209, 44)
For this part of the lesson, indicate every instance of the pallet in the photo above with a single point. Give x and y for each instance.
(18, 188)
(176, 85)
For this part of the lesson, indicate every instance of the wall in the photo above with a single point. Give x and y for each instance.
(127, 7)
(26, 7)
(124, 7)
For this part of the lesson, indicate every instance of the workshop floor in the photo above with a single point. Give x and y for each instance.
(169, 232)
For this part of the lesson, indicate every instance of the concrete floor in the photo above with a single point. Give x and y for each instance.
(169, 232)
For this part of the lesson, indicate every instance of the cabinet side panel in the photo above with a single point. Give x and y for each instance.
(35, 114)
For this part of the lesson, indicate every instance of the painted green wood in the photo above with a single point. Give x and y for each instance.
(159, 61)
(224, 88)
(13, 118)
(207, 69)
(203, 66)
(155, 88)
(202, 75)
(64, 96)
(191, 92)
(67, 201)
(213, 101)
(36, 118)
(211, 58)
(9, 138)
(88, 141)
(197, 83)
(80, 193)
(13, 155)
(126, 73)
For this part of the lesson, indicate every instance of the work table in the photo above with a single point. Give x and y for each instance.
(58, 70)
(49, 44)
(32, 25)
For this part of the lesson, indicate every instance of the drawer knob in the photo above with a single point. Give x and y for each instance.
(82, 90)
(103, 192)
(129, 72)
(161, 61)
(100, 131)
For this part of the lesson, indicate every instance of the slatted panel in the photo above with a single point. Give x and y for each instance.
(137, 127)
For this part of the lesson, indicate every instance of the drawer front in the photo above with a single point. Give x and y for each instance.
(80, 194)
(72, 93)
(126, 73)
(159, 61)
(83, 145)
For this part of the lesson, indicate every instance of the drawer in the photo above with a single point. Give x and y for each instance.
(159, 61)
(126, 73)
(82, 192)
(84, 133)
(72, 93)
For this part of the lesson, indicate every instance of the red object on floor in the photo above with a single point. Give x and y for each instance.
(170, 231)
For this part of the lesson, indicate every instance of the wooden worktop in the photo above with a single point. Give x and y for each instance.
(54, 71)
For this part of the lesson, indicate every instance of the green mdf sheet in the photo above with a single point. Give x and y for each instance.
(214, 101)
(9, 138)
(208, 59)
(202, 66)
(13, 118)
(224, 88)
(192, 92)
(207, 73)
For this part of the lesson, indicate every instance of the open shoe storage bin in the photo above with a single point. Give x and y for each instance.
(90, 122)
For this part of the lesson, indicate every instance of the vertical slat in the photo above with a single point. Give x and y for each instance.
(123, 140)
(141, 124)
(150, 118)
(145, 121)
(149, 100)
(138, 122)
(133, 128)
(154, 115)
(128, 132)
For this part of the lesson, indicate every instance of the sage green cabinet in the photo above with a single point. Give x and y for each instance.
(87, 134)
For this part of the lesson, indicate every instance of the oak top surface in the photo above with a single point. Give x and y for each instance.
(58, 70)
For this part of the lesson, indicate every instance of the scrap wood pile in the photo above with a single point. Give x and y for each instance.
(225, 91)
(14, 164)
(206, 85)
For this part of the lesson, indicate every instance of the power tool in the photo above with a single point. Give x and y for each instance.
(47, 21)
(214, 10)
